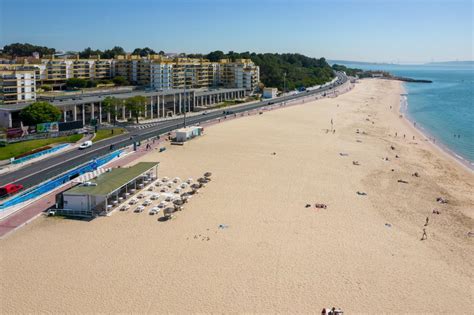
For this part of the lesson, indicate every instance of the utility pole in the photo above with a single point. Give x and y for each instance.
(284, 83)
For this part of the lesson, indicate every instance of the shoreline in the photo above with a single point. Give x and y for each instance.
(438, 145)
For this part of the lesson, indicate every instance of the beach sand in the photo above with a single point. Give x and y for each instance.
(362, 253)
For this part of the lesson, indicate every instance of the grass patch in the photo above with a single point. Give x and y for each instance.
(107, 133)
(15, 149)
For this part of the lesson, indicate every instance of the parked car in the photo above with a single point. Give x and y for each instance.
(139, 209)
(162, 204)
(133, 201)
(85, 145)
(146, 203)
(140, 196)
(155, 197)
(154, 210)
(124, 207)
(10, 189)
(205, 112)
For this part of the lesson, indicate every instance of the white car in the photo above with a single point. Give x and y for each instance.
(140, 196)
(176, 180)
(133, 201)
(146, 203)
(85, 145)
(155, 197)
(162, 204)
(177, 191)
(124, 208)
(158, 184)
(154, 210)
(169, 198)
(139, 209)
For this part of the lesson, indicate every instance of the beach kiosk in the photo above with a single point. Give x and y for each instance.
(102, 194)
(185, 134)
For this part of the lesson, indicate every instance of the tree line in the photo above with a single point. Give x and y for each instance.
(288, 71)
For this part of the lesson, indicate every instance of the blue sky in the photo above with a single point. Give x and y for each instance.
(367, 30)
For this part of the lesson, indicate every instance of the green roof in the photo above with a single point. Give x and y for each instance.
(110, 182)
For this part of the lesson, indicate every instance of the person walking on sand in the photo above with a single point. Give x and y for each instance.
(427, 220)
(403, 136)
(424, 236)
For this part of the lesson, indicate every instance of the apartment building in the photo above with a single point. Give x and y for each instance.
(17, 84)
(155, 71)
(241, 73)
(55, 71)
(160, 72)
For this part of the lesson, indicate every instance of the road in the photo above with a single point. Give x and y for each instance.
(42, 170)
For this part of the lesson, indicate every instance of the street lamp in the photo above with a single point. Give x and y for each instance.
(185, 97)
(284, 83)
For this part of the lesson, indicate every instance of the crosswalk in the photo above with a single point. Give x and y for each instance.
(143, 126)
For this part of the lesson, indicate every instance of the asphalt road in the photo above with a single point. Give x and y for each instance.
(42, 170)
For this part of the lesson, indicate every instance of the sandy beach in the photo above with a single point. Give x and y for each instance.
(362, 253)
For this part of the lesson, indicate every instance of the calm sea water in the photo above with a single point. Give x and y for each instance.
(444, 109)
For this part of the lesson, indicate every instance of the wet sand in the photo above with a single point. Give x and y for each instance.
(362, 253)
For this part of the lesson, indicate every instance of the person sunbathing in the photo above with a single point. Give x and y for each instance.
(355, 163)
(441, 200)
(320, 206)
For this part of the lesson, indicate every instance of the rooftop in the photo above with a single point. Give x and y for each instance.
(110, 182)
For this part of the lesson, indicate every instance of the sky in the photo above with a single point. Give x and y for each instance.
(400, 31)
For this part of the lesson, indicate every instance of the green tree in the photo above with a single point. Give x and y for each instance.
(136, 105)
(24, 50)
(112, 53)
(47, 87)
(76, 83)
(110, 104)
(215, 56)
(143, 51)
(118, 80)
(39, 112)
(86, 53)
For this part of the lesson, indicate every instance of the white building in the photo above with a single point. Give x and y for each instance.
(270, 92)
(17, 84)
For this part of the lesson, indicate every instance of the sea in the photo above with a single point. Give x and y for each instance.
(444, 109)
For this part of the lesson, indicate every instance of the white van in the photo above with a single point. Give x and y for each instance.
(85, 145)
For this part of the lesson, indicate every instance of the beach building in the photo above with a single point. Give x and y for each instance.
(101, 195)
(270, 92)
(185, 134)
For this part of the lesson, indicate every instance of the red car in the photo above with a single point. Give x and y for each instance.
(10, 189)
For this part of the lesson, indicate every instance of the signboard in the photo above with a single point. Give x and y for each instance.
(47, 127)
(14, 133)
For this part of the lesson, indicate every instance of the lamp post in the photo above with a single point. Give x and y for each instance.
(284, 83)
(185, 98)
